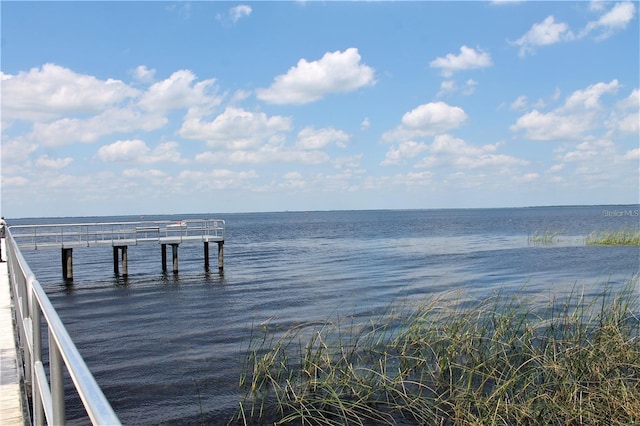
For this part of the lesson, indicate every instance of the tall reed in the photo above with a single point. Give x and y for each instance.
(620, 237)
(546, 237)
(499, 360)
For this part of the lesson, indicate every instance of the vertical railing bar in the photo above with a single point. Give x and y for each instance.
(36, 345)
(57, 380)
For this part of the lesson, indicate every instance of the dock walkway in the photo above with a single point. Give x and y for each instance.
(11, 410)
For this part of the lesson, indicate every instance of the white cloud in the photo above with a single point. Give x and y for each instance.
(519, 104)
(632, 101)
(136, 150)
(468, 58)
(611, 22)
(67, 131)
(16, 150)
(143, 74)
(579, 114)
(235, 129)
(217, 179)
(365, 125)
(47, 162)
(293, 180)
(336, 72)
(426, 120)
(631, 155)
(310, 138)
(240, 11)
(590, 97)
(551, 126)
(549, 32)
(629, 124)
(448, 151)
(405, 150)
(544, 33)
(52, 91)
(126, 150)
(234, 14)
(179, 91)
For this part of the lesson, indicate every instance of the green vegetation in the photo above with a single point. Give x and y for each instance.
(547, 237)
(501, 360)
(621, 237)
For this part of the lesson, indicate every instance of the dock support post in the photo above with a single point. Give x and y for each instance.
(174, 255)
(125, 267)
(164, 258)
(206, 256)
(220, 255)
(67, 263)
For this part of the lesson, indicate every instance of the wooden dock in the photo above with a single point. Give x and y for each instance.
(120, 236)
(11, 409)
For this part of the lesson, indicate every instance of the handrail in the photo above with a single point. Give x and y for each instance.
(32, 304)
(116, 233)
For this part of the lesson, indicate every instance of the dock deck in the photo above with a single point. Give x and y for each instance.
(11, 410)
(120, 236)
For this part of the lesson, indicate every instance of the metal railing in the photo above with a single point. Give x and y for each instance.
(47, 388)
(117, 233)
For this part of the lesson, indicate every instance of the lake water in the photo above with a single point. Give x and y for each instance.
(169, 348)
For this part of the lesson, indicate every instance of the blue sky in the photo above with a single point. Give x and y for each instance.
(211, 107)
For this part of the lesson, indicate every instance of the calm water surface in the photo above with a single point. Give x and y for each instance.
(169, 348)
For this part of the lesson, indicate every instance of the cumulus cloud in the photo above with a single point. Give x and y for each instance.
(543, 34)
(179, 91)
(335, 72)
(310, 138)
(67, 131)
(611, 22)
(405, 150)
(217, 179)
(143, 74)
(52, 91)
(235, 128)
(234, 14)
(240, 11)
(590, 97)
(570, 121)
(47, 162)
(426, 120)
(450, 86)
(136, 150)
(468, 58)
(448, 151)
(550, 32)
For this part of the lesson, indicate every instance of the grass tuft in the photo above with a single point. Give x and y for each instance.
(546, 237)
(500, 360)
(621, 237)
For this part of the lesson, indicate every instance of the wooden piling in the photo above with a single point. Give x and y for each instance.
(116, 256)
(164, 258)
(67, 263)
(174, 255)
(220, 255)
(206, 256)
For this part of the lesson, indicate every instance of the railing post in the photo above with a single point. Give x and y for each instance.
(36, 356)
(57, 381)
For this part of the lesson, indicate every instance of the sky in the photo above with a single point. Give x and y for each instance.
(118, 108)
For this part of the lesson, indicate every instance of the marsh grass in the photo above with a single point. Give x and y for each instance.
(500, 360)
(546, 237)
(621, 237)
